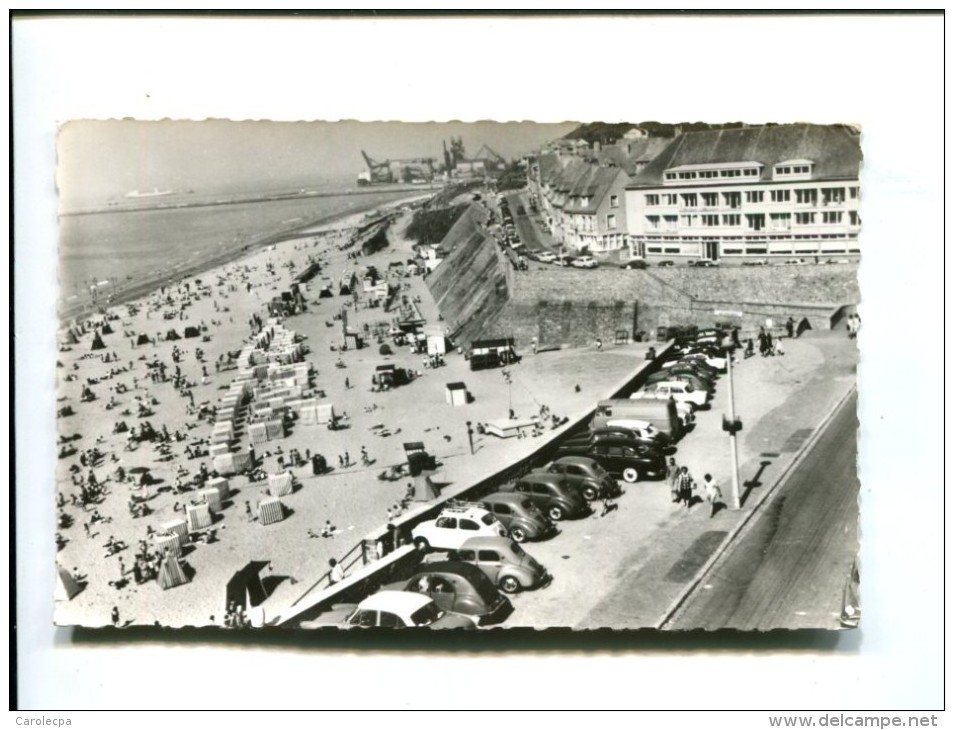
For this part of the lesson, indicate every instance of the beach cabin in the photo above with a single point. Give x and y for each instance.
(492, 353)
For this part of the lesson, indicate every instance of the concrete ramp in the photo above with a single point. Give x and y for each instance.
(470, 284)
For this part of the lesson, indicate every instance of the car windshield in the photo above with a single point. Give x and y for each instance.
(598, 469)
(426, 615)
(488, 519)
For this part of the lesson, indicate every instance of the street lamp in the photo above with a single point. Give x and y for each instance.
(470, 437)
(732, 426)
(507, 376)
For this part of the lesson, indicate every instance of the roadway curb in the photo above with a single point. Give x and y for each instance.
(738, 529)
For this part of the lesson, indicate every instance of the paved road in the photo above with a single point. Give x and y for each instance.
(531, 237)
(789, 566)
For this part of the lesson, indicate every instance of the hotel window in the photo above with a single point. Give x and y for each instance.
(710, 200)
(732, 219)
(652, 200)
(853, 193)
(670, 222)
(710, 220)
(614, 201)
(654, 249)
(670, 199)
(780, 221)
(732, 200)
(806, 197)
(854, 218)
(611, 221)
(652, 222)
(831, 216)
(756, 222)
(670, 176)
(781, 196)
(688, 221)
(833, 196)
(804, 219)
(689, 200)
(754, 196)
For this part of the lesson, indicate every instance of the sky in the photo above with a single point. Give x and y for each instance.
(99, 160)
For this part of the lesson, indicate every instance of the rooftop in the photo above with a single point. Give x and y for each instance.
(834, 150)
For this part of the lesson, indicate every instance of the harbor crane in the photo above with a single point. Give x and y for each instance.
(413, 169)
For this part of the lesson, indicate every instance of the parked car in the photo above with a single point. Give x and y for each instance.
(547, 257)
(715, 336)
(398, 609)
(675, 389)
(704, 264)
(551, 494)
(635, 264)
(640, 429)
(461, 588)
(665, 263)
(647, 436)
(620, 457)
(682, 373)
(564, 260)
(717, 364)
(663, 415)
(585, 262)
(522, 518)
(454, 525)
(585, 475)
(590, 437)
(504, 562)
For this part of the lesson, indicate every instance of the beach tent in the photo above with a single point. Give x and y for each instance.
(66, 585)
(143, 339)
(107, 330)
(281, 485)
(191, 332)
(98, 343)
(172, 335)
(245, 588)
(171, 573)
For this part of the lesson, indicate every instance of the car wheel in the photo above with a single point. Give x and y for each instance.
(518, 534)
(509, 584)
(590, 493)
(422, 544)
(555, 513)
(630, 475)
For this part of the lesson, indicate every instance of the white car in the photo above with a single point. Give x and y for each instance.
(547, 257)
(585, 262)
(400, 609)
(454, 526)
(677, 390)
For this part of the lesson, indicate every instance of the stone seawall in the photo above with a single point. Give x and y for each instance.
(480, 295)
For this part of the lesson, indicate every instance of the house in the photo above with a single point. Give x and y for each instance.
(593, 214)
(788, 190)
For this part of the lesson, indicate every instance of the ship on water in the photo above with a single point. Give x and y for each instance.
(154, 193)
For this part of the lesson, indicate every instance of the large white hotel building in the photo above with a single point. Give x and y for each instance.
(788, 190)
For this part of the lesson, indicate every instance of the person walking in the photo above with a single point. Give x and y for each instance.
(713, 493)
(672, 477)
(114, 615)
(685, 486)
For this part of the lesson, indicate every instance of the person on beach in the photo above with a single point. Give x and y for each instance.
(337, 573)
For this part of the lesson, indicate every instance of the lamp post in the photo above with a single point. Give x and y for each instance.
(470, 437)
(732, 426)
(507, 376)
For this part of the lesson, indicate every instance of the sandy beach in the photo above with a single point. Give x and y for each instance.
(221, 302)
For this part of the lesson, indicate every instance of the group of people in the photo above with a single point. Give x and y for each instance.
(683, 487)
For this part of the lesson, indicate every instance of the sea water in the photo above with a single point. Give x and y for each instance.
(124, 247)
